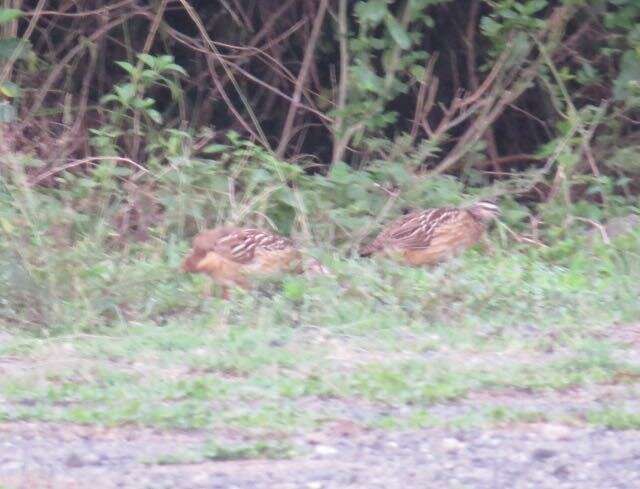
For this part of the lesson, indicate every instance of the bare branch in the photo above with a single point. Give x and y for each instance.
(302, 76)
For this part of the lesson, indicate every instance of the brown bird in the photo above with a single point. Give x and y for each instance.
(430, 236)
(232, 256)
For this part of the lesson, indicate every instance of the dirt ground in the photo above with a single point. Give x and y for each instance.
(567, 451)
(39, 455)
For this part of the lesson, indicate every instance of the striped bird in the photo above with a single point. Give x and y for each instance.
(430, 236)
(232, 256)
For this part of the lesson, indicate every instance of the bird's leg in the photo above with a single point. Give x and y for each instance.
(487, 246)
(225, 292)
(206, 292)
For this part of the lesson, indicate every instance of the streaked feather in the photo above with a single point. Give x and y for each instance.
(430, 235)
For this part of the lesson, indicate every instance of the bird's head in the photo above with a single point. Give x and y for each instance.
(485, 210)
(190, 263)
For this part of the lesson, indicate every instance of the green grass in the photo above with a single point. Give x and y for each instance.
(215, 451)
(377, 343)
(616, 419)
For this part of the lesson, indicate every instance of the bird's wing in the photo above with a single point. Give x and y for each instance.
(416, 230)
(241, 245)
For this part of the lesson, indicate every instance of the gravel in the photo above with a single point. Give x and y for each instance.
(536, 456)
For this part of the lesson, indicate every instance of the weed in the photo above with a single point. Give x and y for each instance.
(615, 419)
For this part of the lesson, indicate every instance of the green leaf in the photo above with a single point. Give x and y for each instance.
(128, 67)
(371, 12)
(398, 33)
(7, 112)
(9, 14)
(534, 6)
(148, 59)
(366, 79)
(125, 92)
(418, 72)
(259, 176)
(625, 159)
(489, 26)
(568, 159)
(155, 116)
(285, 196)
(108, 98)
(629, 73)
(11, 44)
(6, 226)
(147, 103)
(177, 68)
(293, 288)
(10, 90)
(340, 173)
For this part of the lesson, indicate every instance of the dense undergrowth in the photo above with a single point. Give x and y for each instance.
(78, 275)
(120, 140)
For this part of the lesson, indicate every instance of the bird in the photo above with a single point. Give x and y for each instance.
(430, 236)
(235, 256)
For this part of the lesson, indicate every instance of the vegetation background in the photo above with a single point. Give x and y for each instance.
(126, 126)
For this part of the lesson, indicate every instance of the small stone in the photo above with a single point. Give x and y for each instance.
(483, 474)
(325, 450)
(11, 466)
(555, 431)
(452, 445)
(561, 472)
(345, 428)
(519, 457)
(543, 454)
(91, 459)
(317, 438)
(74, 461)
(200, 478)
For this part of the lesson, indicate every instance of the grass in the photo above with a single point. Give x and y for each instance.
(615, 418)
(383, 345)
(216, 452)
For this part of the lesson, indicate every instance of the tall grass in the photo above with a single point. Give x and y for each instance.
(68, 262)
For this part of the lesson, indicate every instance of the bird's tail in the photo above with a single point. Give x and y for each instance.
(369, 250)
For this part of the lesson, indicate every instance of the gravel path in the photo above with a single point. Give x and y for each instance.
(537, 456)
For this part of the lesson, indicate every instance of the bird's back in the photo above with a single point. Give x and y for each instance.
(240, 250)
(431, 235)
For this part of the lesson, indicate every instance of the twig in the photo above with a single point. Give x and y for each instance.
(470, 41)
(258, 133)
(302, 75)
(83, 14)
(597, 225)
(523, 239)
(58, 69)
(8, 66)
(426, 97)
(73, 164)
(338, 147)
(393, 197)
(73, 133)
(139, 65)
(500, 97)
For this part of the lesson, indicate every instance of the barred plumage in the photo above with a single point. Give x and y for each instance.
(233, 256)
(432, 235)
